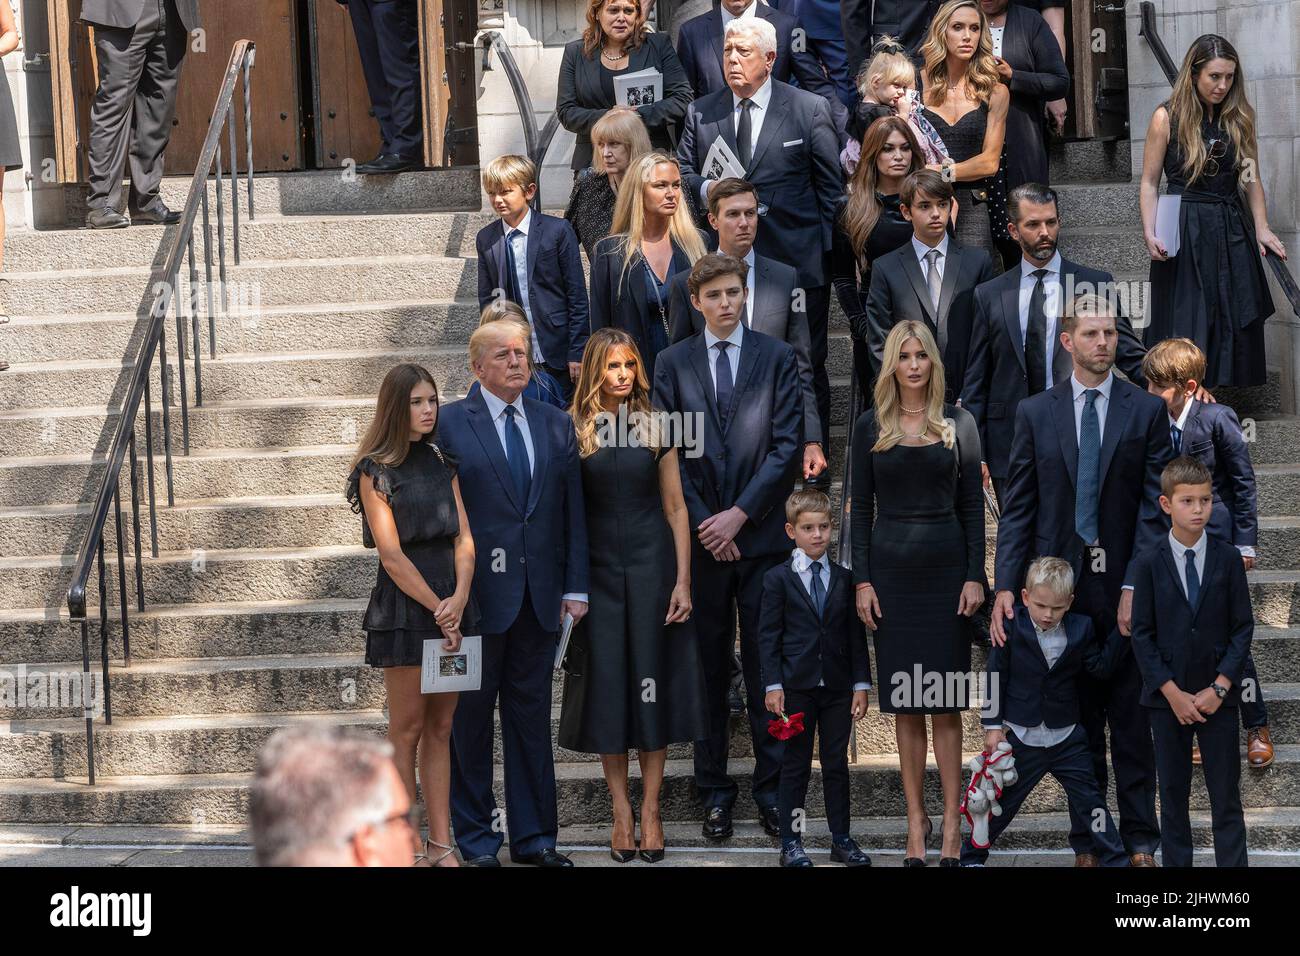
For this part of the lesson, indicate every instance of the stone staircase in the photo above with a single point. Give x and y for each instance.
(255, 601)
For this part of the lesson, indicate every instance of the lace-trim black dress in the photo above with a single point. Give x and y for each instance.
(424, 509)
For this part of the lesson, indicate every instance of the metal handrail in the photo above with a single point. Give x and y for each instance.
(163, 289)
(536, 142)
(1150, 32)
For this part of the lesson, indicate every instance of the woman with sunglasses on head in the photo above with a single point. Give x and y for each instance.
(1213, 291)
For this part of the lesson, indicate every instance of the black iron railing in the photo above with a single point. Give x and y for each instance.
(176, 250)
(1150, 32)
(536, 142)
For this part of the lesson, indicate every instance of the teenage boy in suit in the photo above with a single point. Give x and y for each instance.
(1212, 435)
(532, 259)
(813, 652)
(1032, 702)
(1192, 627)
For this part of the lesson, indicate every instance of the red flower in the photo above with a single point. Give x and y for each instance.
(783, 727)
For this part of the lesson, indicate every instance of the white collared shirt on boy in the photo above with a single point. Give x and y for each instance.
(1053, 644)
(519, 249)
(802, 566)
(1180, 558)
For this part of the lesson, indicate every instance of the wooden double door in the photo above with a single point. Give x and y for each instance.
(310, 105)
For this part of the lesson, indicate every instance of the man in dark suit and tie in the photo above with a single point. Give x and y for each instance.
(1015, 347)
(1084, 485)
(786, 142)
(388, 39)
(699, 47)
(139, 45)
(866, 21)
(931, 279)
(743, 387)
(522, 487)
(770, 289)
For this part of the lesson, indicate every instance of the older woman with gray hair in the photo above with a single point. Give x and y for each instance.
(328, 796)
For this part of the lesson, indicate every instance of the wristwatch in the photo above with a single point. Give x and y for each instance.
(1219, 690)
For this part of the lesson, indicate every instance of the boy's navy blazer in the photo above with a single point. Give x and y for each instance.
(1212, 435)
(754, 460)
(1191, 646)
(1022, 689)
(557, 291)
(796, 648)
(543, 540)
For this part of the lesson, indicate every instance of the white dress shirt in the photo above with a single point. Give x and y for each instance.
(1180, 559)
(1051, 304)
(922, 250)
(749, 11)
(497, 409)
(1053, 644)
(802, 566)
(733, 354)
(519, 247)
(995, 35)
(759, 103)
(1101, 403)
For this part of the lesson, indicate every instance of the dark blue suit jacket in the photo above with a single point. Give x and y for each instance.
(795, 168)
(1024, 690)
(796, 647)
(557, 292)
(754, 461)
(1191, 646)
(540, 544)
(996, 382)
(1038, 516)
(1212, 435)
(699, 47)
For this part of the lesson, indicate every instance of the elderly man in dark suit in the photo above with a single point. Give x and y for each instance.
(1015, 348)
(770, 290)
(522, 486)
(699, 47)
(1084, 485)
(139, 45)
(743, 386)
(786, 143)
(932, 279)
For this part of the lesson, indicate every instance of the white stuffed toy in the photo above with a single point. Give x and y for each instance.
(990, 773)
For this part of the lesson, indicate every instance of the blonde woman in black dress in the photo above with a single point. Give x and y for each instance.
(407, 491)
(919, 567)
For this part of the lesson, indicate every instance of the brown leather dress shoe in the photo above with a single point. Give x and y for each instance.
(1196, 755)
(1086, 859)
(1142, 859)
(1259, 749)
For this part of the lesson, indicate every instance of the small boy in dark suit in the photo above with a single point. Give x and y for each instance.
(1192, 626)
(1032, 691)
(813, 654)
(1211, 434)
(532, 259)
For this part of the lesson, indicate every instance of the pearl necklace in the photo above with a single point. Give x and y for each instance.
(612, 59)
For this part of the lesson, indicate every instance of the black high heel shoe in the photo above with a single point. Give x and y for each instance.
(919, 860)
(655, 855)
(624, 856)
(947, 860)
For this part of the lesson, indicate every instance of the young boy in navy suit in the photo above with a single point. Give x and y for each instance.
(532, 259)
(814, 661)
(1212, 435)
(1192, 626)
(1032, 702)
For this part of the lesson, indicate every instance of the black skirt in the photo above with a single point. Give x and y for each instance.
(396, 626)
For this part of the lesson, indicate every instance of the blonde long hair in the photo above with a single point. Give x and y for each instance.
(629, 212)
(387, 440)
(1187, 111)
(981, 71)
(888, 403)
(587, 407)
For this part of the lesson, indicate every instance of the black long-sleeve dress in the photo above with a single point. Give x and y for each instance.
(632, 683)
(1214, 291)
(926, 542)
(424, 509)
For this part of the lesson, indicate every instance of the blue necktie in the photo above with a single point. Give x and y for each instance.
(723, 386)
(1176, 436)
(517, 456)
(1086, 492)
(1193, 582)
(512, 280)
(818, 591)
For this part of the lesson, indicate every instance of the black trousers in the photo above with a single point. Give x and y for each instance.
(388, 40)
(135, 103)
(828, 713)
(818, 302)
(723, 591)
(1221, 761)
(1070, 762)
(1254, 713)
(1114, 702)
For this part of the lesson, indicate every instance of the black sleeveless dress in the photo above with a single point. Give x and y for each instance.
(1214, 291)
(632, 683)
(964, 141)
(424, 509)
